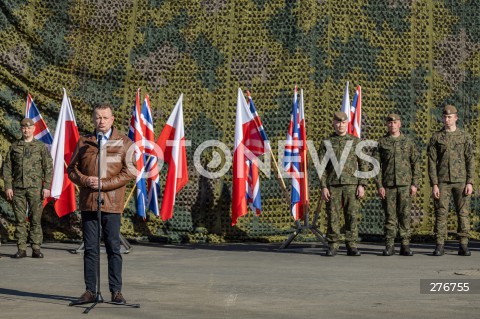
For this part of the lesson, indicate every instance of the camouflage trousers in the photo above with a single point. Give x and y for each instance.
(343, 200)
(397, 206)
(462, 207)
(32, 196)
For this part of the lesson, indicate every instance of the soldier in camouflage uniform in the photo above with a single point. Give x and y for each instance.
(397, 183)
(342, 190)
(27, 172)
(451, 167)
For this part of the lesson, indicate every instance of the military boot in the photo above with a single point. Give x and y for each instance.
(353, 251)
(463, 250)
(405, 251)
(331, 251)
(389, 250)
(439, 251)
(20, 254)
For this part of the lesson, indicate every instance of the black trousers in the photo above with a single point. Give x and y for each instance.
(111, 236)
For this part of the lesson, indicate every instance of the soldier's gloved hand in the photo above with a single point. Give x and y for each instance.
(9, 194)
(468, 189)
(436, 192)
(381, 192)
(325, 194)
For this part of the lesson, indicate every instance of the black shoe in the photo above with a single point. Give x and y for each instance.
(87, 297)
(464, 251)
(389, 250)
(117, 297)
(331, 252)
(20, 254)
(353, 252)
(36, 253)
(405, 250)
(439, 251)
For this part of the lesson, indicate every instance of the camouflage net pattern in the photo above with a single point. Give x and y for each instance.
(410, 57)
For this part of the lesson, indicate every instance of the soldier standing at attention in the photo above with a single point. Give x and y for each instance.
(341, 189)
(397, 183)
(27, 172)
(451, 168)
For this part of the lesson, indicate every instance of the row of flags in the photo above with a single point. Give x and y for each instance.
(353, 111)
(171, 151)
(250, 143)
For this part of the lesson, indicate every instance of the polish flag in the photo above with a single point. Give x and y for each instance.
(64, 143)
(346, 108)
(249, 144)
(172, 143)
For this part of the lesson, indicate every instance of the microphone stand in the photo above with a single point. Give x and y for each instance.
(100, 202)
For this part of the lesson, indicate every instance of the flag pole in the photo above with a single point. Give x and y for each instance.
(134, 187)
(280, 180)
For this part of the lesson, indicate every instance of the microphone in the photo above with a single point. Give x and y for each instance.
(100, 139)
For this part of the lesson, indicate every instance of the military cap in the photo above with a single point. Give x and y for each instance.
(27, 122)
(449, 109)
(340, 116)
(392, 117)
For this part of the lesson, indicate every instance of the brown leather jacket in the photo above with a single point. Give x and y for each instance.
(116, 172)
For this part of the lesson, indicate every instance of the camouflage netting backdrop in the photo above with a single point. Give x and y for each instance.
(410, 57)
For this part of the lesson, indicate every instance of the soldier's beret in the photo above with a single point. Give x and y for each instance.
(27, 122)
(392, 117)
(340, 116)
(449, 109)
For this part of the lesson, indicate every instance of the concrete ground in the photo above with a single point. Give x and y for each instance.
(247, 280)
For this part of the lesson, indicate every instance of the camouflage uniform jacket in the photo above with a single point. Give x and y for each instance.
(27, 165)
(352, 163)
(399, 162)
(451, 157)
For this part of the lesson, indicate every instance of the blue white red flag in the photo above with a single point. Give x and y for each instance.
(151, 160)
(356, 120)
(254, 198)
(135, 133)
(249, 144)
(42, 132)
(295, 158)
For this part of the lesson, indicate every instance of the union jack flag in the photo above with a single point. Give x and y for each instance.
(295, 159)
(42, 132)
(355, 124)
(135, 133)
(254, 198)
(151, 160)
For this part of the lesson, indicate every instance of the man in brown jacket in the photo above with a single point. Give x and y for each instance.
(117, 162)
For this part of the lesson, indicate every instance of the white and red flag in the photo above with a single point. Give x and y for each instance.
(64, 143)
(249, 144)
(355, 124)
(347, 108)
(172, 143)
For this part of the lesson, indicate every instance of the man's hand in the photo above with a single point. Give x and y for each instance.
(360, 191)
(93, 182)
(9, 194)
(325, 194)
(468, 189)
(45, 193)
(436, 192)
(381, 192)
(413, 190)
